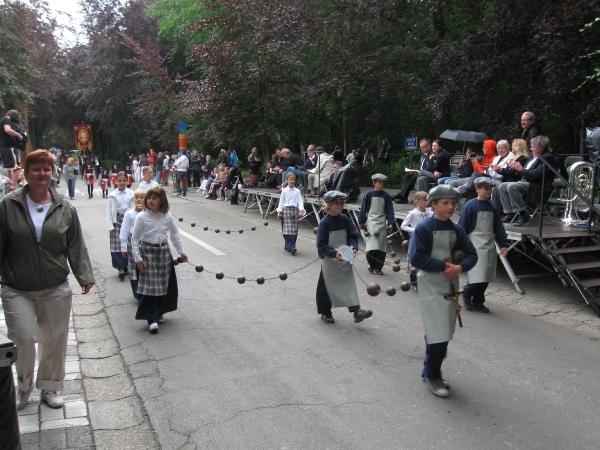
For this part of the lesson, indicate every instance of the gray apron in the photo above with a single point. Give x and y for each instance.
(338, 275)
(439, 314)
(482, 238)
(376, 222)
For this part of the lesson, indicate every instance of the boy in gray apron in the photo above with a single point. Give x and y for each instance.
(336, 286)
(481, 221)
(377, 213)
(430, 251)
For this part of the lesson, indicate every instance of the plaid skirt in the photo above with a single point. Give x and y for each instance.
(131, 265)
(154, 280)
(289, 220)
(115, 242)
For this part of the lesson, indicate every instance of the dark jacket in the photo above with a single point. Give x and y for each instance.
(293, 160)
(534, 176)
(510, 175)
(440, 163)
(530, 133)
(31, 266)
(196, 163)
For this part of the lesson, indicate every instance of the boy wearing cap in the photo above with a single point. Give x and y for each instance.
(481, 221)
(377, 213)
(336, 286)
(430, 251)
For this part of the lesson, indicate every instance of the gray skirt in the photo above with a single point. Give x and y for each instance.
(115, 242)
(289, 220)
(131, 265)
(155, 279)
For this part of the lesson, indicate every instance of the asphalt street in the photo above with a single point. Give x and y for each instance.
(248, 366)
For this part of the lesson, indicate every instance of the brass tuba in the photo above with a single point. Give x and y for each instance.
(581, 176)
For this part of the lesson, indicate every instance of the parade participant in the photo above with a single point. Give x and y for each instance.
(105, 183)
(88, 176)
(289, 210)
(113, 175)
(129, 174)
(137, 173)
(119, 201)
(40, 238)
(377, 213)
(9, 141)
(412, 219)
(125, 237)
(157, 282)
(147, 181)
(481, 221)
(336, 286)
(430, 251)
(71, 171)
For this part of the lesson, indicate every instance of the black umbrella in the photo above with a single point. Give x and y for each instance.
(593, 142)
(463, 136)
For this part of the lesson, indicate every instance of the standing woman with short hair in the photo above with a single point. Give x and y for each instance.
(9, 139)
(40, 238)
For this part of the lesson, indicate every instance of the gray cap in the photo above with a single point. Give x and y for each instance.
(333, 195)
(443, 191)
(484, 181)
(379, 176)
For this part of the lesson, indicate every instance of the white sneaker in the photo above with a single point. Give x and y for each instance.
(153, 328)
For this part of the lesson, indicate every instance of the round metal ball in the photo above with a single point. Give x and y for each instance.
(179, 259)
(393, 253)
(315, 229)
(396, 268)
(241, 231)
(266, 223)
(397, 261)
(253, 228)
(413, 270)
(181, 219)
(219, 275)
(391, 291)
(260, 280)
(241, 280)
(227, 231)
(390, 242)
(283, 276)
(458, 256)
(373, 289)
(405, 286)
(205, 228)
(405, 244)
(175, 262)
(217, 231)
(367, 234)
(199, 269)
(376, 234)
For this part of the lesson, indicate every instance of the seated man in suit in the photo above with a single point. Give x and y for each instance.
(512, 194)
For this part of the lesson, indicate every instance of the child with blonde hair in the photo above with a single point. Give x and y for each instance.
(413, 218)
(125, 237)
(147, 179)
(289, 210)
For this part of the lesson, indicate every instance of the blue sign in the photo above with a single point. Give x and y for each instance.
(182, 127)
(410, 143)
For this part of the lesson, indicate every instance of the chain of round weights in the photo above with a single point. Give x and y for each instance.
(217, 230)
(373, 289)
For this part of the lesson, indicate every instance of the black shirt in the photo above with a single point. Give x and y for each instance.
(6, 140)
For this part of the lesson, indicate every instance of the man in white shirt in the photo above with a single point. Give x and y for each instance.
(182, 163)
(167, 168)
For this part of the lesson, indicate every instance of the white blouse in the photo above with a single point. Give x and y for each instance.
(127, 227)
(154, 228)
(291, 197)
(145, 186)
(414, 218)
(118, 202)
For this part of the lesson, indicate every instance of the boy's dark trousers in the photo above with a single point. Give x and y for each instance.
(434, 356)
(475, 292)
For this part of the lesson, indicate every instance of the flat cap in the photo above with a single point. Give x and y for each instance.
(379, 176)
(333, 195)
(443, 191)
(484, 181)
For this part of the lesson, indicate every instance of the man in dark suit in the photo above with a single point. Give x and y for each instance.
(437, 166)
(512, 194)
(411, 177)
(530, 128)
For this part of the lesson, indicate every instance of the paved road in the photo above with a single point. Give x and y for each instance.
(249, 366)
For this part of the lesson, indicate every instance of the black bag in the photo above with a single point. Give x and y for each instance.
(348, 182)
(76, 171)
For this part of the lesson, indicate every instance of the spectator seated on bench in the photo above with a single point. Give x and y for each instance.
(320, 174)
(512, 194)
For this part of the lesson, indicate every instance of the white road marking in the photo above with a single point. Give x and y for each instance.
(201, 243)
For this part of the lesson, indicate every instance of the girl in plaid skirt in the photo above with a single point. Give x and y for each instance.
(125, 237)
(289, 210)
(119, 201)
(157, 283)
